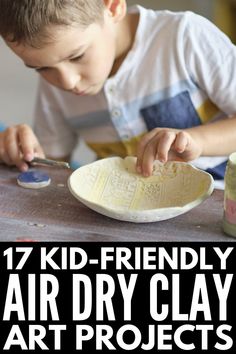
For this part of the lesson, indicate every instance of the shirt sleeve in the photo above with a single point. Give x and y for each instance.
(56, 136)
(211, 60)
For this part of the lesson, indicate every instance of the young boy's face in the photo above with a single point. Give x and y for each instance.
(78, 61)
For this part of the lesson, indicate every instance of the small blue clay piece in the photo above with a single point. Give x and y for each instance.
(33, 179)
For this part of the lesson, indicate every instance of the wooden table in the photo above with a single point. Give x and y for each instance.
(53, 214)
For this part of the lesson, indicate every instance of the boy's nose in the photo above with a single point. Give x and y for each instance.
(68, 79)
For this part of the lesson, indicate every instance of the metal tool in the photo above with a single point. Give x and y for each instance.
(48, 162)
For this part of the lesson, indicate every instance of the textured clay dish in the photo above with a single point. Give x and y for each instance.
(112, 187)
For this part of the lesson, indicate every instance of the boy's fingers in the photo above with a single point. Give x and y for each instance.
(27, 142)
(11, 146)
(18, 144)
(164, 145)
(21, 165)
(181, 142)
(5, 158)
(3, 154)
(149, 157)
(12, 152)
(140, 151)
(157, 144)
(157, 148)
(38, 151)
(142, 146)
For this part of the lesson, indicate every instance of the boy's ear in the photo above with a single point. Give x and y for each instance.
(117, 8)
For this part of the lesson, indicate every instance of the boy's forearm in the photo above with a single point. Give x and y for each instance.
(218, 138)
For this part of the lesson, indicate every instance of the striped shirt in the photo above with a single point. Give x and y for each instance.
(179, 73)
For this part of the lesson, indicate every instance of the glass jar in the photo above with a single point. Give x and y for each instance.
(229, 219)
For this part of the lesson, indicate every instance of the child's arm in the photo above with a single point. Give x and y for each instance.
(164, 144)
(19, 144)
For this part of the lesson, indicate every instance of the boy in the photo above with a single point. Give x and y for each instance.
(160, 85)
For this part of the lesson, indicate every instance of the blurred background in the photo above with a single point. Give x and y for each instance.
(18, 84)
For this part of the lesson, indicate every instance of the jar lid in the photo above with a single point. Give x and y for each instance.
(232, 158)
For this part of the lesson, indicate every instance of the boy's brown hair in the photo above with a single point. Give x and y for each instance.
(28, 21)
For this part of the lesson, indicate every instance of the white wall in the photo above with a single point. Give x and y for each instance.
(17, 88)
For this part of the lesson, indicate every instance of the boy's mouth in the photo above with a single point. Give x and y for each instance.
(79, 93)
(91, 90)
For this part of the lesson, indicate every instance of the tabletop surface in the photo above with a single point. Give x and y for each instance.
(53, 214)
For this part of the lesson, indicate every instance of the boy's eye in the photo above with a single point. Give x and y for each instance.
(79, 57)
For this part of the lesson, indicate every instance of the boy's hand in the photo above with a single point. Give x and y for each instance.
(19, 145)
(165, 144)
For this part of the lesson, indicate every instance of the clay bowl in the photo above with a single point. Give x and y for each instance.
(112, 187)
